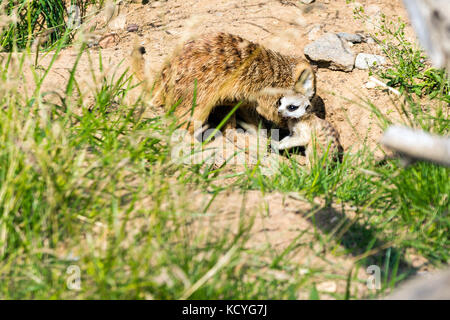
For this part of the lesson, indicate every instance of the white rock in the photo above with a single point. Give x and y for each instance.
(307, 1)
(370, 40)
(365, 61)
(313, 32)
(118, 23)
(370, 85)
(327, 286)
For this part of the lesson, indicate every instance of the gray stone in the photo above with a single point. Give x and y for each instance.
(365, 61)
(351, 37)
(332, 51)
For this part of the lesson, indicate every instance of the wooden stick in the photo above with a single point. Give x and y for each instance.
(417, 144)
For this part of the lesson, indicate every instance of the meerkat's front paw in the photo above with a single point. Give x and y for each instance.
(282, 146)
(289, 142)
(285, 143)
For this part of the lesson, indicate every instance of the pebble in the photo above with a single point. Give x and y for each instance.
(118, 23)
(370, 85)
(109, 40)
(132, 27)
(313, 32)
(365, 61)
(327, 286)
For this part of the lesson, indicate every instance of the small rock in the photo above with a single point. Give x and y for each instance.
(370, 40)
(109, 40)
(370, 85)
(350, 37)
(312, 34)
(330, 49)
(365, 61)
(132, 27)
(307, 1)
(327, 286)
(118, 23)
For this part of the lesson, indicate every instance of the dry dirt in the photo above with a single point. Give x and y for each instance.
(282, 25)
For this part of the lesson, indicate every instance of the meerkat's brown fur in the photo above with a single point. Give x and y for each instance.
(225, 69)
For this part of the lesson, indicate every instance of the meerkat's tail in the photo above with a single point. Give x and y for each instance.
(138, 62)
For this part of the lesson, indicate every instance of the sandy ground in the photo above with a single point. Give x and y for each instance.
(282, 25)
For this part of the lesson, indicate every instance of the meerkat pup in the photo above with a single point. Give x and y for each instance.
(222, 69)
(306, 129)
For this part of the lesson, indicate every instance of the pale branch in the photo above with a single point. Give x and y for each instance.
(417, 144)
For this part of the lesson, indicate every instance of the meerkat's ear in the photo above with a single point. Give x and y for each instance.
(305, 81)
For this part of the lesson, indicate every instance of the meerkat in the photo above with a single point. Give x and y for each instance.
(222, 69)
(306, 129)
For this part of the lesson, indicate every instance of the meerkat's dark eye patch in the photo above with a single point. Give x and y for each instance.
(279, 102)
(292, 107)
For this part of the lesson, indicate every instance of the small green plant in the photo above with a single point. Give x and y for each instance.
(409, 69)
(33, 18)
(29, 19)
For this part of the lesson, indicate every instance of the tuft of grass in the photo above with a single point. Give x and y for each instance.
(47, 20)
